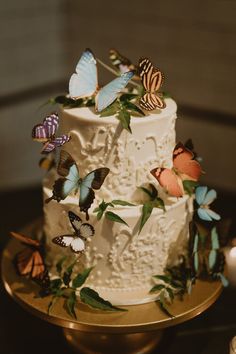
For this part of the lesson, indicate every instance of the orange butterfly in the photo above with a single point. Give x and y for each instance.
(184, 168)
(30, 261)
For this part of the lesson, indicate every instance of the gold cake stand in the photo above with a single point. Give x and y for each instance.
(138, 330)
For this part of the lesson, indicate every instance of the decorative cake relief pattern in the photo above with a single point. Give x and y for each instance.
(133, 259)
(130, 160)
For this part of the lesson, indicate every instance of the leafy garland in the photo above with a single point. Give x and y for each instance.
(67, 286)
(123, 107)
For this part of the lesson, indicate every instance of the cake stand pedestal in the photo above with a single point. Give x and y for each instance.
(138, 330)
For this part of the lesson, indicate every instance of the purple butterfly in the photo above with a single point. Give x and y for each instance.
(45, 133)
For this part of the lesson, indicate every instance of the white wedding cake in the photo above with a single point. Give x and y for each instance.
(123, 258)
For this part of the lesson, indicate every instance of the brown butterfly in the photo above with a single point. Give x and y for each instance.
(122, 63)
(152, 80)
(29, 261)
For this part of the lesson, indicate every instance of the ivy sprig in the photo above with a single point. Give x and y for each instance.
(71, 289)
(123, 108)
(175, 282)
(153, 202)
(110, 215)
(190, 186)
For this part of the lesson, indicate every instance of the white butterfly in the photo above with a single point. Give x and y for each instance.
(84, 83)
(78, 239)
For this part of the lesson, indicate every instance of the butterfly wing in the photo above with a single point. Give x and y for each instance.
(122, 63)
(47, 163)
(25, 239)
(107, 94)
(186, 166)
(210, 197)
(93, 180)
(84, 83)
(43, 132)
(86, 230)
(55, 143)
(169, 180)
(77, 245)
(200, 194)
(151, 101)
(207, 214)
(75, 221)
(152, 79)
(70, 177)
(63, 241)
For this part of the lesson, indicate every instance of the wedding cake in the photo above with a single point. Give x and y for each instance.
(124, 255)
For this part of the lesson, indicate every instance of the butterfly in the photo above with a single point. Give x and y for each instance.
(184, 168)
(30, 260)
(45, 133)
(204, 198)
(205, 254)
(47, 162)
(122, 63)
(70, 181)
(81, 232)
(152, 80)
(84, 83)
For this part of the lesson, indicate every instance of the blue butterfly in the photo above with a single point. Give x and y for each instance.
(84, 83)
(206, 255)
(204, 198)
(70, 181)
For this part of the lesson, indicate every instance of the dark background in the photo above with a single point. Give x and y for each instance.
(194, 45)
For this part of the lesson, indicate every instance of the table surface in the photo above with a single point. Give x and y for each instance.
(22, 333)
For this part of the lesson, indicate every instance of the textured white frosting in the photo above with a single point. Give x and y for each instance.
(98, 142)
(124, 260)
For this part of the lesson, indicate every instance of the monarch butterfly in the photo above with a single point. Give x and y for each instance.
(152, 80)
(29, 261)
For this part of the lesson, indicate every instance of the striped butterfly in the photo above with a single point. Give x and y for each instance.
(77, 240)
(46, 133)
(70, 181)
(152, 80)
(84, 82)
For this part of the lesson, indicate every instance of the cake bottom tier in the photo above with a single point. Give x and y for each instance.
(124, 261)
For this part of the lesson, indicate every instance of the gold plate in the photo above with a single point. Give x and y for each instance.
(138, 318)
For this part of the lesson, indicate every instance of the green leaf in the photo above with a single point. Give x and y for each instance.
(90, 102)
(164, 278)
(133, 108)
(156, 288)
(110, 110)
(170, 293)
(67, 274)
(101, 208)
(121, 202)
(166, 94)
(190, 186)
(51, 304)
(80, 279)
(70, 304)
(92, 298)
(147, 191)
(68, 102)
(114, 217)
(124, 118)
(153, 193)
(59, 264)
(163, 305)
(158, 203)
(128, 97)
(55, 284)
(146, 213)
